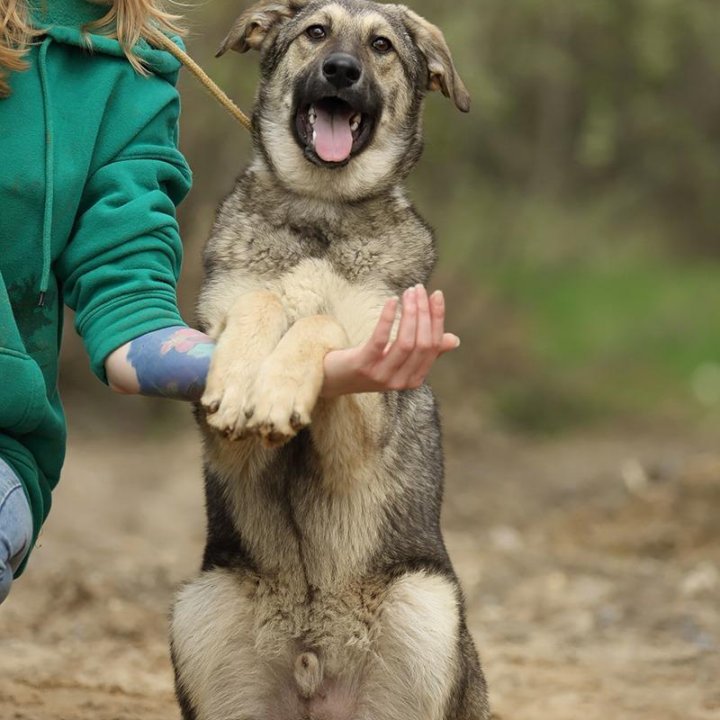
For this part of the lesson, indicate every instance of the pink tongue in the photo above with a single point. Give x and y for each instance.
(333, 141)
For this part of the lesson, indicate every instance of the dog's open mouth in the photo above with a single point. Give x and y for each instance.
(331, 131)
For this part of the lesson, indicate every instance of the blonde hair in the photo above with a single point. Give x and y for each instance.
(126, 20)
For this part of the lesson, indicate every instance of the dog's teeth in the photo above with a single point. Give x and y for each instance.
(312, 115)
(314, 136)
(354, 125)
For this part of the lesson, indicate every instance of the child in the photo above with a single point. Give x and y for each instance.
(90, 175)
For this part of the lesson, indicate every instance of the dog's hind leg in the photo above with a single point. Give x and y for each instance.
(187, 709)
(419, 663)
(217, 668)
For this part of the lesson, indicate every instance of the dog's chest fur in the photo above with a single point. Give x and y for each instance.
(264, 231)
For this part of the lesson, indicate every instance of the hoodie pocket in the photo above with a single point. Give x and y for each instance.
(22, 392)
(22, 385)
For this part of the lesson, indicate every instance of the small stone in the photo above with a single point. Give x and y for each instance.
(701, 579)
(635, 476)
(506, 538)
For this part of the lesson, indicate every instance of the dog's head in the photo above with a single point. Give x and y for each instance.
(342, 82)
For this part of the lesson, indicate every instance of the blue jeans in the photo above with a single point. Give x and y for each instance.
(15, 527)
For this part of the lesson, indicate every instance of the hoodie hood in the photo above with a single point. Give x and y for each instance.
(65, 22)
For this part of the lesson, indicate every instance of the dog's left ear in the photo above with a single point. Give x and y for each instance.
(259, 24)
(442, 74)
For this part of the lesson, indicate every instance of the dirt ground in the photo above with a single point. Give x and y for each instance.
(591, 567)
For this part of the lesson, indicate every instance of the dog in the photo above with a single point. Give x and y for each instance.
(326, 591)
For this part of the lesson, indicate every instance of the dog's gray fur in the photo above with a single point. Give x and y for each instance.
(326, 592)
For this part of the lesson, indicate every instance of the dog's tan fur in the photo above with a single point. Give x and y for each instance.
(326, 591)
(396, 652)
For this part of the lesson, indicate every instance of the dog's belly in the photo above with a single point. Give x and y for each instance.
(339, 627)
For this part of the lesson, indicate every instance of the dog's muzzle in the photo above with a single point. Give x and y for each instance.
(342, 70)
(335, 112)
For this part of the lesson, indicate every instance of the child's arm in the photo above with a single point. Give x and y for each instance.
(173, 362)
(119, 269)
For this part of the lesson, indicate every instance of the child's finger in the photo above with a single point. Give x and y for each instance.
(421, 359)
(405, 342)
(381, 335)
(424, 322)
(449, 342)
(437, 312)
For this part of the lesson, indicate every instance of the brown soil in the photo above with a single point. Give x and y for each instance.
(591, 568)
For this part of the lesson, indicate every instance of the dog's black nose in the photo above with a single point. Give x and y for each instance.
(342, 70)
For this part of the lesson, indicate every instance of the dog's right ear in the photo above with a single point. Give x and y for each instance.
(442, 74)
(259, 24)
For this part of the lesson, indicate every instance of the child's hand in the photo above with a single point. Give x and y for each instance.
(403, 364)
(173, 362)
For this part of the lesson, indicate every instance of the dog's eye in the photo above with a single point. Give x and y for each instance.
(382, 45)
(316, 32)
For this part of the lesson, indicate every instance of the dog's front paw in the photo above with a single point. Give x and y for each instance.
(226, 401)
(281, 405)
(228, 415)
(276, 424)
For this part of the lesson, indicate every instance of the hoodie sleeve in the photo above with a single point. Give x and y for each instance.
(120, 267)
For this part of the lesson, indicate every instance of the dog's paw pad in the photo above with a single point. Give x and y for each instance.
(271, 435)
(275, 439)
(299, 419)
(210, 403)
(219, 422)
(227, 420)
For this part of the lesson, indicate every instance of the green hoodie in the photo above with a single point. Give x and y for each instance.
(90, 175)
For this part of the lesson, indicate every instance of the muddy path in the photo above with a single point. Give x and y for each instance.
(591, 568)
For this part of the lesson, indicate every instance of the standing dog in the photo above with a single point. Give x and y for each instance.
(326, 591)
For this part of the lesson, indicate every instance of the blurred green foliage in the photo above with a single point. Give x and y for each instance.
(576, 206)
